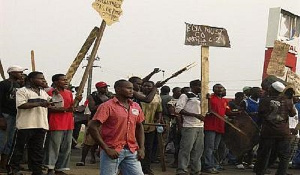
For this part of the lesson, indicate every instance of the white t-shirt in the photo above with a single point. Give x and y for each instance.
(36, 117)
(191, 105)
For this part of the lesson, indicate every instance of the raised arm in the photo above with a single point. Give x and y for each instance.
(147, 78)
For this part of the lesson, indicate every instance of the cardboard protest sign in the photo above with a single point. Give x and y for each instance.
(278, 58)
(294, 80)
(109, 10)
(206, 36)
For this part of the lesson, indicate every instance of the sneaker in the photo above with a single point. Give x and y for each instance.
(211, 171)
(251, 166)
(219, 168)
(240, 167)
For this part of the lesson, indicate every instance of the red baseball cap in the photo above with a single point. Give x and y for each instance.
(101, 84)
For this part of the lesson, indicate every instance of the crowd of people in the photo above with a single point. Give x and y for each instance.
(123, 128)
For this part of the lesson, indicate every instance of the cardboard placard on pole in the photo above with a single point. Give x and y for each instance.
(276, 65)
(32, 61)
(205, 36)
(294, 80)
(90, 63)
(109, 10)
(204, 79)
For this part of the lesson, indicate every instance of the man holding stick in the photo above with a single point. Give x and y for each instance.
(61, 125)
(121, 133)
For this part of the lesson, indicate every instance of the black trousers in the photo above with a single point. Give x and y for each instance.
(149, 140)
(34, 139)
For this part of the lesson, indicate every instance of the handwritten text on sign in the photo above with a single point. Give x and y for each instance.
(206, 36)
(109, 10)
(294, 80)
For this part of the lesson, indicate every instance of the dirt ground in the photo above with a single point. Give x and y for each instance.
(90, 169)
(93, 169)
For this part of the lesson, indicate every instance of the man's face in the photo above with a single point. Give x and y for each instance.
(62, 82)
(196, 89)
(257, 93)
(126, 90)
(177, 93)
(17, 75)
(147, 87)
(137, 85)
(39, 80)
(219, 90)
(102, 90)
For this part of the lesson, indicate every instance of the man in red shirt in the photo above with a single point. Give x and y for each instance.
(61, 125)
(121, 133)
(214, 128)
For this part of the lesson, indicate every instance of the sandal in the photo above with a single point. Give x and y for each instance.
(80, 164)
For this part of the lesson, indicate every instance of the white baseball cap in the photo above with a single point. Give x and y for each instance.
(15, 68)
(278, 86)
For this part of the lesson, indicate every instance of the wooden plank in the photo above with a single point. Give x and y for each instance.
(161, 151)
(90, 63)
(81, 54)
(204, 78)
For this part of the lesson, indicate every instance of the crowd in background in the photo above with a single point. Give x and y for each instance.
(124, 128)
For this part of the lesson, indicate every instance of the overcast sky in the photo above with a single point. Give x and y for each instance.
(150, 34)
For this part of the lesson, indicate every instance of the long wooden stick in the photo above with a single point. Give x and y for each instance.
(32, 61)
(81, 54)
(154, 124)
(161, 151)
(179, 72)
(90, 63)
(2, 71)
(230, 124)
(204, 78)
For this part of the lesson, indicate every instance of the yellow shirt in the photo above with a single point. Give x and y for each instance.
(150, 109)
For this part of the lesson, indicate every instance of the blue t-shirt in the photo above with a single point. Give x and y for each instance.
(251, 107)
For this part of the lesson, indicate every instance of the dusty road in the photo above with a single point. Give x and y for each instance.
(93, 169)
(90, 169)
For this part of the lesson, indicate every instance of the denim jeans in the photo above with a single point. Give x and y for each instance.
(58, 150)
(266, 145)
(211, 143)
(7, 136)
(191, 149)
(127, 162)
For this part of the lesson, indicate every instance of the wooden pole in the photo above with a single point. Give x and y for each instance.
(32, 61)
(2, 71)
(161, 151)
(81, 54)
(204, 78)
(90, 63)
